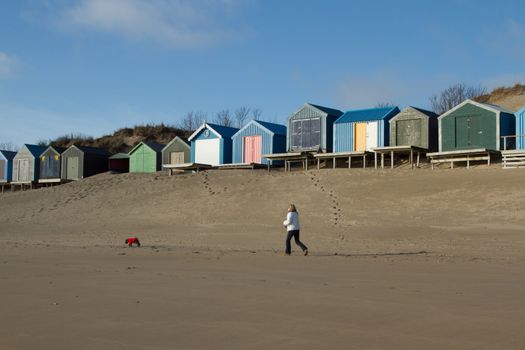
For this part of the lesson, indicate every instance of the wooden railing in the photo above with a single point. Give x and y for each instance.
(509, 142)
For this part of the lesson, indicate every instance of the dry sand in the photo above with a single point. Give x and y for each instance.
(399, 260)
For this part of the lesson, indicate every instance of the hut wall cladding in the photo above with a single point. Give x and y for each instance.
(520, 129)
(325, 130)
(456, 135)
(424, 135)
(344, 135)
(252, 130)
(72, 164)
(24, 168)
(176, 146)
(50, 164)
(144, 160)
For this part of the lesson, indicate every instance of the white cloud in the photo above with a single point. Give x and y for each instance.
(8, 65)
(177, 24)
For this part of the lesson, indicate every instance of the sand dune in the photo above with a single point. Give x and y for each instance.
(399, 260)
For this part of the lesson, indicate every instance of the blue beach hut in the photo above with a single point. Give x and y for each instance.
(520, 129)
(257, 138)
(212, 144)
(6, 165)
(364, 129)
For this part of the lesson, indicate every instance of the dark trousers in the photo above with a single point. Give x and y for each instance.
(295, 235)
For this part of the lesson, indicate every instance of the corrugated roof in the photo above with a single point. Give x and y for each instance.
(93, 150)
(35, 149)
(430, 114)
(327, 110)
(119, 156)
(275, 128)
(363, 115)
(224, 131)
(9, 155)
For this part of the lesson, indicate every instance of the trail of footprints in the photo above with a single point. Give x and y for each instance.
(336, 210)
(207, 186)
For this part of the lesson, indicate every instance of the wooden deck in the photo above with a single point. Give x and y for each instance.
(361, 155)
(22, 184)
(3, 185)
(289, 158)
(186, 167)
(513, 158)
(479, 154)
(250, 166)
(393, 150)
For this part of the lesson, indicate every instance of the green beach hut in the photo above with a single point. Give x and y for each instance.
(145, 157)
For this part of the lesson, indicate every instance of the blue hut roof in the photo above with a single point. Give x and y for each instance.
(364, 115)
(35, 150)
(9, 155)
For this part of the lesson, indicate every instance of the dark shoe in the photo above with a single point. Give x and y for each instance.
(305, 253)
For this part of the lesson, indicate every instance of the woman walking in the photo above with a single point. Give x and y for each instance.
(292, 226)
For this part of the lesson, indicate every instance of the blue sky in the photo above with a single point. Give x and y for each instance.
(92, 66)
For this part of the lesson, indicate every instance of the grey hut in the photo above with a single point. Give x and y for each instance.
(26, 164)
(415, 127)
(50, 165)
(311, 128)
(177, 151)
(79, 162)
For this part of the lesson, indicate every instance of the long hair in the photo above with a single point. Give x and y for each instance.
(292, 208)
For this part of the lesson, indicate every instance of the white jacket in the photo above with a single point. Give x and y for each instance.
(292, 221)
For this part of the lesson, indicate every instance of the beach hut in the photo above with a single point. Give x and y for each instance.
(311, 128)
(177, 151)
(415, 127)
(474, 125)
(364, 129)
(79, 162)
(145, 157)
(212, 144)
(119, 163)
(6, 165)
(520, 129)
(50, 165)
(257, 138)
(26, 164)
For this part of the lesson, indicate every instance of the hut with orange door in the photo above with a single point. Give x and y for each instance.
(257, 138)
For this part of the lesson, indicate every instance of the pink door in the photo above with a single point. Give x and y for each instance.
(253, 149)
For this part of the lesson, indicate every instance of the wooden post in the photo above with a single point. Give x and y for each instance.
(349, 162)
(418, 159)
(382, 160)
(391, 159)
(375, 159)
(468, 161)
(488, 160)
(333, 165)
(364, 161)
(306, 164)
(411, 158)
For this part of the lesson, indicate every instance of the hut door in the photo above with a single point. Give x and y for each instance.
(72, 171)
(408, 132)
(176, 157)
(359, 137)
(371, 135)
(252, 149)
(208, 151)
(469, 132)
(2, 170)
(23, 170)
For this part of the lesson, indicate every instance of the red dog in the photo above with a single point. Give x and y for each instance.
(132, 240)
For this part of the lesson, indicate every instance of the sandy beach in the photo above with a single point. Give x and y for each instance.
(399, 260)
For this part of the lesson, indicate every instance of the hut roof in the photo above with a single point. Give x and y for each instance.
(222, 131)
(9, 155)
(429, 114)
(273, 128)
(56, 149)
(35, 150)
(157, 147)
(370, 114)
(176, 138)
(327, 110)
(92, 150)
(490, 107)
(119, 156)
